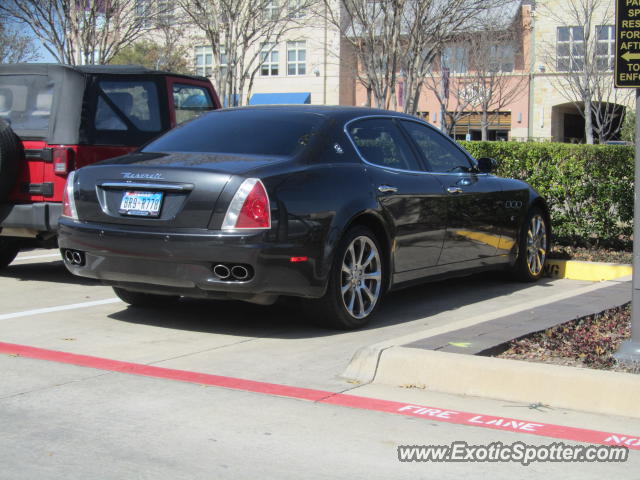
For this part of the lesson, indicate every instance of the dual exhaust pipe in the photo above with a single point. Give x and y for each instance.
(237, 273)
(74, 257)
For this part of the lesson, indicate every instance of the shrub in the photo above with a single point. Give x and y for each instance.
(589, 188)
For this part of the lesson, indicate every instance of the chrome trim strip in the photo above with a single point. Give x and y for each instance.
(150, 186)
(419, 172)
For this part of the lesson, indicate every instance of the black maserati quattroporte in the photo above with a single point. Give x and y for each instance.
(335, 205)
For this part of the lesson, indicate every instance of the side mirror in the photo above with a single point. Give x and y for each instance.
(487, 165)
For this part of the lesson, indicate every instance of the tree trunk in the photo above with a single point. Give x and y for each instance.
(588, 121)
(485, 125)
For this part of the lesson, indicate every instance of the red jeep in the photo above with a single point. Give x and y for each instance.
(56, 118)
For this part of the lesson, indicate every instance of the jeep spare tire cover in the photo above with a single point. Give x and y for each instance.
(11, 156)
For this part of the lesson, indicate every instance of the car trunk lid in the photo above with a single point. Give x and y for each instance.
(158, 190)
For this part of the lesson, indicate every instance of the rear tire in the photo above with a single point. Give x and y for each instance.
(9, 248)
(11, 155)
(356, 283)
(533, 247)
(149, 300)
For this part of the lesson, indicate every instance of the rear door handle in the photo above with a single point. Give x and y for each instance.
(454, 190)
(387, 189)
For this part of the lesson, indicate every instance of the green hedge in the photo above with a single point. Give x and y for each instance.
(589, 187)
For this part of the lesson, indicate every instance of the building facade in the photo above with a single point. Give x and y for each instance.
(554, 55)
(569, 45)
(310, 63)
(313, 63)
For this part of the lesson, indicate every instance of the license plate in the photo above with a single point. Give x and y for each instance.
(141, 204)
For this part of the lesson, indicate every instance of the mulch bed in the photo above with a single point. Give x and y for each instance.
(561, 252)
(587, 342)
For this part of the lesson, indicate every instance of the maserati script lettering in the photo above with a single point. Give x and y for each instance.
(138, 176)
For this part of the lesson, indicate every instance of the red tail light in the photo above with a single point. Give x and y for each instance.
(62, 160)
(249, 208)
(68, 199)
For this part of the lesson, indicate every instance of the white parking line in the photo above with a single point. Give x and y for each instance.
(72, 306)
(31, 257)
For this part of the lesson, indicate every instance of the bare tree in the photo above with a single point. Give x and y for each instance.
(15, 46)
(455, 95)
(393, 37)
(170, 26)
(608, 110)
(374, 31)
(492, 60)
(581, 54)
(242, 35)
(164, 47)
(428, 25)
(83, 31)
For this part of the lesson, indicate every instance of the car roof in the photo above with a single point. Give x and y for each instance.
(332, 111)
(44, 68)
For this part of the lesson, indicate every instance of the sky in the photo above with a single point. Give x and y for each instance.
(45, 56)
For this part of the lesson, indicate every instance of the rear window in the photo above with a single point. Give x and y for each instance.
(26, 103)
(243, 131)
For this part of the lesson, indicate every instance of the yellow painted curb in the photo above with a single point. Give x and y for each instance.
(588, 271)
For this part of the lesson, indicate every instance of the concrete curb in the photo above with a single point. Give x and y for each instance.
(392, 363)
(588, 271)
(610, 393)
(362, 367)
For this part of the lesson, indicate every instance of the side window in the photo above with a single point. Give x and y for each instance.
(190, 101)
(439, 153)
(380, 141)
(125, 103)
(26, 101)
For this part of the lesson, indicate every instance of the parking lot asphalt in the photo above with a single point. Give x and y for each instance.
(68, 421)
(273, 343)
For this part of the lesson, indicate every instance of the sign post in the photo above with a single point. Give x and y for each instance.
(627, 75)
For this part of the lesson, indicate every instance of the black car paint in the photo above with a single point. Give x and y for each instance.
(315, 197)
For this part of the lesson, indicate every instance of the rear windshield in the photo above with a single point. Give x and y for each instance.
(26, 102)
(242, 131)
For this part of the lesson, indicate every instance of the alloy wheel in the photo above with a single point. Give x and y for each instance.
(361, 277)
(536, 244)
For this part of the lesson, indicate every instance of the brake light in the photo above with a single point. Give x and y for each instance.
(249, 208)
(62, 159)
(68, 198)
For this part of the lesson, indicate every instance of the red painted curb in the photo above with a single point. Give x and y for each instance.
(331, 398)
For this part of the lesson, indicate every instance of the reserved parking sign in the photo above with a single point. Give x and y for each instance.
(627, 74)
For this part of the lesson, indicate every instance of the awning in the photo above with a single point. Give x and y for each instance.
(280, 98)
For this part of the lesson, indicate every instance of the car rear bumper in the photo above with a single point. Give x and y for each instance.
(182, 262)
(32, 218)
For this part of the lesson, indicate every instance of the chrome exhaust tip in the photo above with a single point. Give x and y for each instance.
(222, 271)
(74, 257)
(239, 272)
